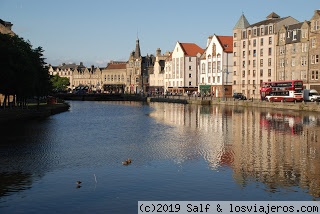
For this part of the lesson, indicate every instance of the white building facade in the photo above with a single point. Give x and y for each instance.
(183, 74)
(216, 65)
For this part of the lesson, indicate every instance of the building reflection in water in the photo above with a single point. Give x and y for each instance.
(279, 149)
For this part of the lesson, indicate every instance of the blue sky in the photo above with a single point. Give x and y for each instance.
(97, 31)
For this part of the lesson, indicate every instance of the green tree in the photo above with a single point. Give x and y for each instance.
(59, 83)
(23, 72)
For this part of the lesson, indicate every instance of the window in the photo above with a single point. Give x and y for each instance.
(191, 68)
(270, 51)
(190, 76)
(304, 47)
(269, 72)
(294, 35)
(254, 43)
(270, 40)
(234, 73)
(269, 61)
(303, 75)
(303, 61)
(243, 73)
(304, 33)
(137, 79)
(293, 48)
(190, 83)
(281, 63)
(254, 63)
(282, 50)
(218, 65)
(243, 83)
(235, 44)
(313, 42)
(203, 68)
(243, 54)
(235, 35)
(244, 44)
(262, 31)
(105, 77)
(293, 62)
(261, 41)
(316, 25)
(243, 64)
(209, 79)
(254, 53)
(234, 63)
(254, 32)
(190, 59)
(254, 73)
(261, 62)
(234, 82)
(261, 52)
(253, 82)
(314, 59)
(248, 82)
(234, 54)
(261, 72)
(270, 29)
(314, 75)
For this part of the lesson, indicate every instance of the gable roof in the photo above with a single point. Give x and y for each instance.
(226, 43)
(191, 49)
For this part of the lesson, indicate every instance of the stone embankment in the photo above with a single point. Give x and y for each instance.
(18, 114)
(299, 106)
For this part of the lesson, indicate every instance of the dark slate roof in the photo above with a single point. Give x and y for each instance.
(295, 26)
(268, 21)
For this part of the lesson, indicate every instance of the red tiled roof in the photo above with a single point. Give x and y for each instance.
(191, 49)
(226, 43)
(116, 66)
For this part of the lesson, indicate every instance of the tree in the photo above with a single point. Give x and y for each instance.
(59, 83)
(23, 72)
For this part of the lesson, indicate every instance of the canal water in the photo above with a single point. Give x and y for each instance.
(179, 152)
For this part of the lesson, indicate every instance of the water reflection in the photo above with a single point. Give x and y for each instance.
(278, 149)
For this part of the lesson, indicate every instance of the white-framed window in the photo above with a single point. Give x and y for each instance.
(314, 59)
(304, 47)
(303, 61)
(303, 75)
(313, 42)
(314, 75)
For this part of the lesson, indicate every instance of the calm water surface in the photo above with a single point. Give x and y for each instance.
(179, 152)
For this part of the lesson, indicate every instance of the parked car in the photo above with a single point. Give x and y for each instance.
(239, 96)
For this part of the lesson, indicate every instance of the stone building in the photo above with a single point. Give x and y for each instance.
(254, 52)
(5, 27)
(216, 67)
(114, 77)
(156, 79)
(292, 52)
(313, 80)
(138, 70)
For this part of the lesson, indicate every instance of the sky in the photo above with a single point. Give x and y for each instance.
(97, 31)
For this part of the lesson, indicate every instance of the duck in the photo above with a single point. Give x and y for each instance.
(125, 162)
(78, 182)
(129, 160)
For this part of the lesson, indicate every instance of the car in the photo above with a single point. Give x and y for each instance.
(239, 96)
